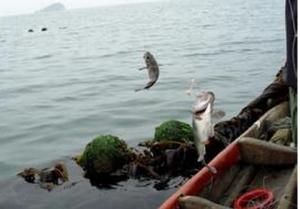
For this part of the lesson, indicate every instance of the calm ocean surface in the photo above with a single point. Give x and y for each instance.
(61, 88)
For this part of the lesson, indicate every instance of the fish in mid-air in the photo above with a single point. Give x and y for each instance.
(152, 68)
(202, 123)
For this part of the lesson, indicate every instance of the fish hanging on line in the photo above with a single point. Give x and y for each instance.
(202, 124)
(152, 68)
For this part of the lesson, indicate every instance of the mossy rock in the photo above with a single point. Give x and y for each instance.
(173, 130)
(104, 154)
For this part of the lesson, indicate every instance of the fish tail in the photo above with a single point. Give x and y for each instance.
(200, 159)
(149, 84)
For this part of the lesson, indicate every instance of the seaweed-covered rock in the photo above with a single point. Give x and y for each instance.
(173, 130)
(105, 154)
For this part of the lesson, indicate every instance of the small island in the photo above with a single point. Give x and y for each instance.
(53, 7)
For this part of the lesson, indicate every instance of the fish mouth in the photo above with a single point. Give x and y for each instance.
(198, 110)
(203, 99)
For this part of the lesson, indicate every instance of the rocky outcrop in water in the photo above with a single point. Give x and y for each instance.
(173, 130)
(104, 154)
(47, 178)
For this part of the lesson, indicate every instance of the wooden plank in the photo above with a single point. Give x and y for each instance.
(289, 198)
(217, 187)
(272, 178)
(240, 184)
(260, 152)
(194, 202)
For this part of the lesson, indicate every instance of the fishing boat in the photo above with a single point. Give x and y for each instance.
(251, 173)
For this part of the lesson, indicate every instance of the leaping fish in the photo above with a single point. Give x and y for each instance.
(202, 124)
(152, 68)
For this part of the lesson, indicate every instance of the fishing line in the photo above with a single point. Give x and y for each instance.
(157, 15)
(295, 37)
(292, 15)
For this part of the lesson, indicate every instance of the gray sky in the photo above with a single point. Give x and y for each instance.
(13, 7)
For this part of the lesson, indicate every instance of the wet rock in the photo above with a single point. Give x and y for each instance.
(44, 29)
(54, 174)
(47, 178)
(30, 31)
(173, 130)
(29, 174)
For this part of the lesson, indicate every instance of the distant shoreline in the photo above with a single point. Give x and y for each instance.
(76, 8)
(53, 8)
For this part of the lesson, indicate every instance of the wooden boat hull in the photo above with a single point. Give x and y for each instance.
(241, 150)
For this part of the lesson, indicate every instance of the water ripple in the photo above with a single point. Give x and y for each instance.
(66, 86)
(43, 57)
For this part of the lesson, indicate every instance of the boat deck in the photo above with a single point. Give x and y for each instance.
(241, 178)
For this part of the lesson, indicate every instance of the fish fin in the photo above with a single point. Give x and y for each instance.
(188, 92)
(212, 133)
(142, 68)
(198, 117)
(205, 142)
(136, 90)
(218, 114)
(200, 159)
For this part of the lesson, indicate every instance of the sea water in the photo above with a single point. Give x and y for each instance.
(62, 87)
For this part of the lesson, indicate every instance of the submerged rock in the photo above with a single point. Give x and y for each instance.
(54, 174)
(47, 178)
(105, 154)
(173, 130)
(29, 174)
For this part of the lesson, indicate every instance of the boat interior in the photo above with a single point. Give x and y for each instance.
(260, 164)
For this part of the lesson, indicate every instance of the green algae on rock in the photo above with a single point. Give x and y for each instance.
(104, 154)
(173, 130)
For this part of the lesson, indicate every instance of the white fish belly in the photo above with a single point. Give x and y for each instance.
(203, 130)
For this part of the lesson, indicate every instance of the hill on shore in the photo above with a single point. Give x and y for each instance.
(53, 7)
